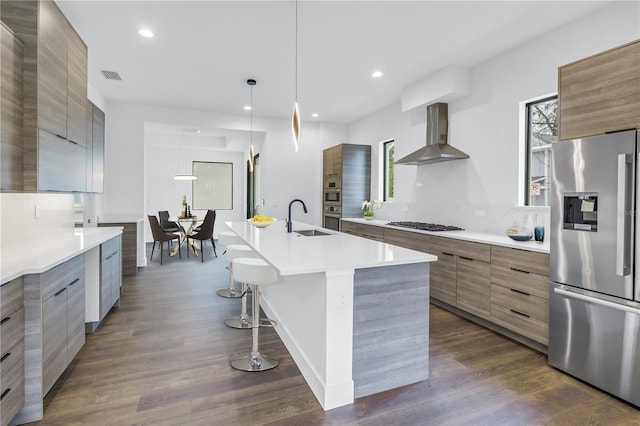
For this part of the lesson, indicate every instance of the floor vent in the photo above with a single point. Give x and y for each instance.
(111, 75)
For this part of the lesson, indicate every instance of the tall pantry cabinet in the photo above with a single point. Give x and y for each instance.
(54, 101)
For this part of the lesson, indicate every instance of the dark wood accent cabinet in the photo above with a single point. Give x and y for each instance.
(600, 94)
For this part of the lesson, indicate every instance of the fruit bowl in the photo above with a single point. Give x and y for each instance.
(261, 223)
(519, 233)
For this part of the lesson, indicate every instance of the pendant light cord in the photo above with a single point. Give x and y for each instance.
(296, 54)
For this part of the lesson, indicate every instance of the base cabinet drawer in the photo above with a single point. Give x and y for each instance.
(12, 383)
(520, 302)
(11, 296)
(12, 329)
(521, 323)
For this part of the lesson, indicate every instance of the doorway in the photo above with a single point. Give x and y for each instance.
(253, 187)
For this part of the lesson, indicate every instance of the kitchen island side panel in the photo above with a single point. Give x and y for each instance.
(390, 327)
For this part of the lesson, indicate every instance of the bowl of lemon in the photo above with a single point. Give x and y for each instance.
(261, 221)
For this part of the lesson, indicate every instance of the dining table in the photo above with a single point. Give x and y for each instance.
(191, 221)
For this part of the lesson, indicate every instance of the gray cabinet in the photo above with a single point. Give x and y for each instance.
(11, 349)
(129, 250)
(11, 111)
(95, 148)
(61, 164)
(110, 274)
(54, 93)
(62, 318)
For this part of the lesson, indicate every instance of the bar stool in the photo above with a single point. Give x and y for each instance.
(227, 238)
(255, 272)
(235, 251)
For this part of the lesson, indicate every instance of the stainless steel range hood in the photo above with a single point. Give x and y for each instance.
(437, 148)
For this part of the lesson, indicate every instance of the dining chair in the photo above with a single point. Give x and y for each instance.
(160, 236)
(205, 233)
(197, 228)
(165, 223)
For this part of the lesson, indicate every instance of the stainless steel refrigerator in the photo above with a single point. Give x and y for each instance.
(594, 305)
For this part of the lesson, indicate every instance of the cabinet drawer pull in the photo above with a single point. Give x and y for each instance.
(466, 258)
(520, 291)
(74, 281)
(61, 137)
(520, 270)
(73, 142)
(447, 254)
(4, 394)
(519, 313)
(5, 319)
(5, 356)
(60, 292)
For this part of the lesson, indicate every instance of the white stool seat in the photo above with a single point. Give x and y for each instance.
(235, 251)
(256, 272)
(228, 237)
(253, 271)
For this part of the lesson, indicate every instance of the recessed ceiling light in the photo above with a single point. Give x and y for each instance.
(315, 115)
(377, 74)
(247, 108)
(145, 32)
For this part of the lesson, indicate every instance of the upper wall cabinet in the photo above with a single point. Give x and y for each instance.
(54, 93)
(95, 148)
(11, 111)
(601, 93)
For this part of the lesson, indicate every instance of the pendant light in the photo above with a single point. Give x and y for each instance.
(251, 82)
(185, 175)
(295, 119)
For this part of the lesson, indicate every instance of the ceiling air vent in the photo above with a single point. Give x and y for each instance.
(111, 75)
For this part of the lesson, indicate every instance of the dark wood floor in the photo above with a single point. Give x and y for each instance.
(162, 358)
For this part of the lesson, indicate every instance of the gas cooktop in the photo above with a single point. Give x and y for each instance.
(425, 226)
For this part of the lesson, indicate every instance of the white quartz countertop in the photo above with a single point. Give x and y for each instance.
(35, 256)
(294, 254)
(477, 237)
(119, 218)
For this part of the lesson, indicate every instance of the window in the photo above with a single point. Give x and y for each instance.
(541, 132)
(387, 166)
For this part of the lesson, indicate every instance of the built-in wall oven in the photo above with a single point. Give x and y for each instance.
(331, 217)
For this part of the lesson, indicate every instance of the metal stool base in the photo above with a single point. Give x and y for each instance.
(234, 322)
(227, 292)
(245, 363)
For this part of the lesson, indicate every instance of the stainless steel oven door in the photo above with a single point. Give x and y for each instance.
(332, 221)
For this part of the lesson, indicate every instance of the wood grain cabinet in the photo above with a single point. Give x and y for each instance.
(473, 278)
(95, 148)
(62, 318)
(443, 281)
(371, 232)
(520, 292)
(601, 93)
(110, 274)
(11, 349)
(11, 111)
(54, 94)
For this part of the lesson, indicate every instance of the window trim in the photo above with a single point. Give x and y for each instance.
(523, 151)
(384, 169)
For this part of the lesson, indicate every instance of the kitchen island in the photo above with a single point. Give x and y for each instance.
(353, 313)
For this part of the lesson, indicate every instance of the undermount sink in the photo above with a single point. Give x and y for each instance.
(311, 232)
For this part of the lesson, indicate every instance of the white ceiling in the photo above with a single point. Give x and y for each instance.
(204, 51)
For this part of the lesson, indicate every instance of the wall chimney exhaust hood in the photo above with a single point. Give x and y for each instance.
(437, 148)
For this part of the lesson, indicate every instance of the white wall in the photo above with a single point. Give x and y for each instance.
(285, 174)
(165, 193)
(484, 124)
